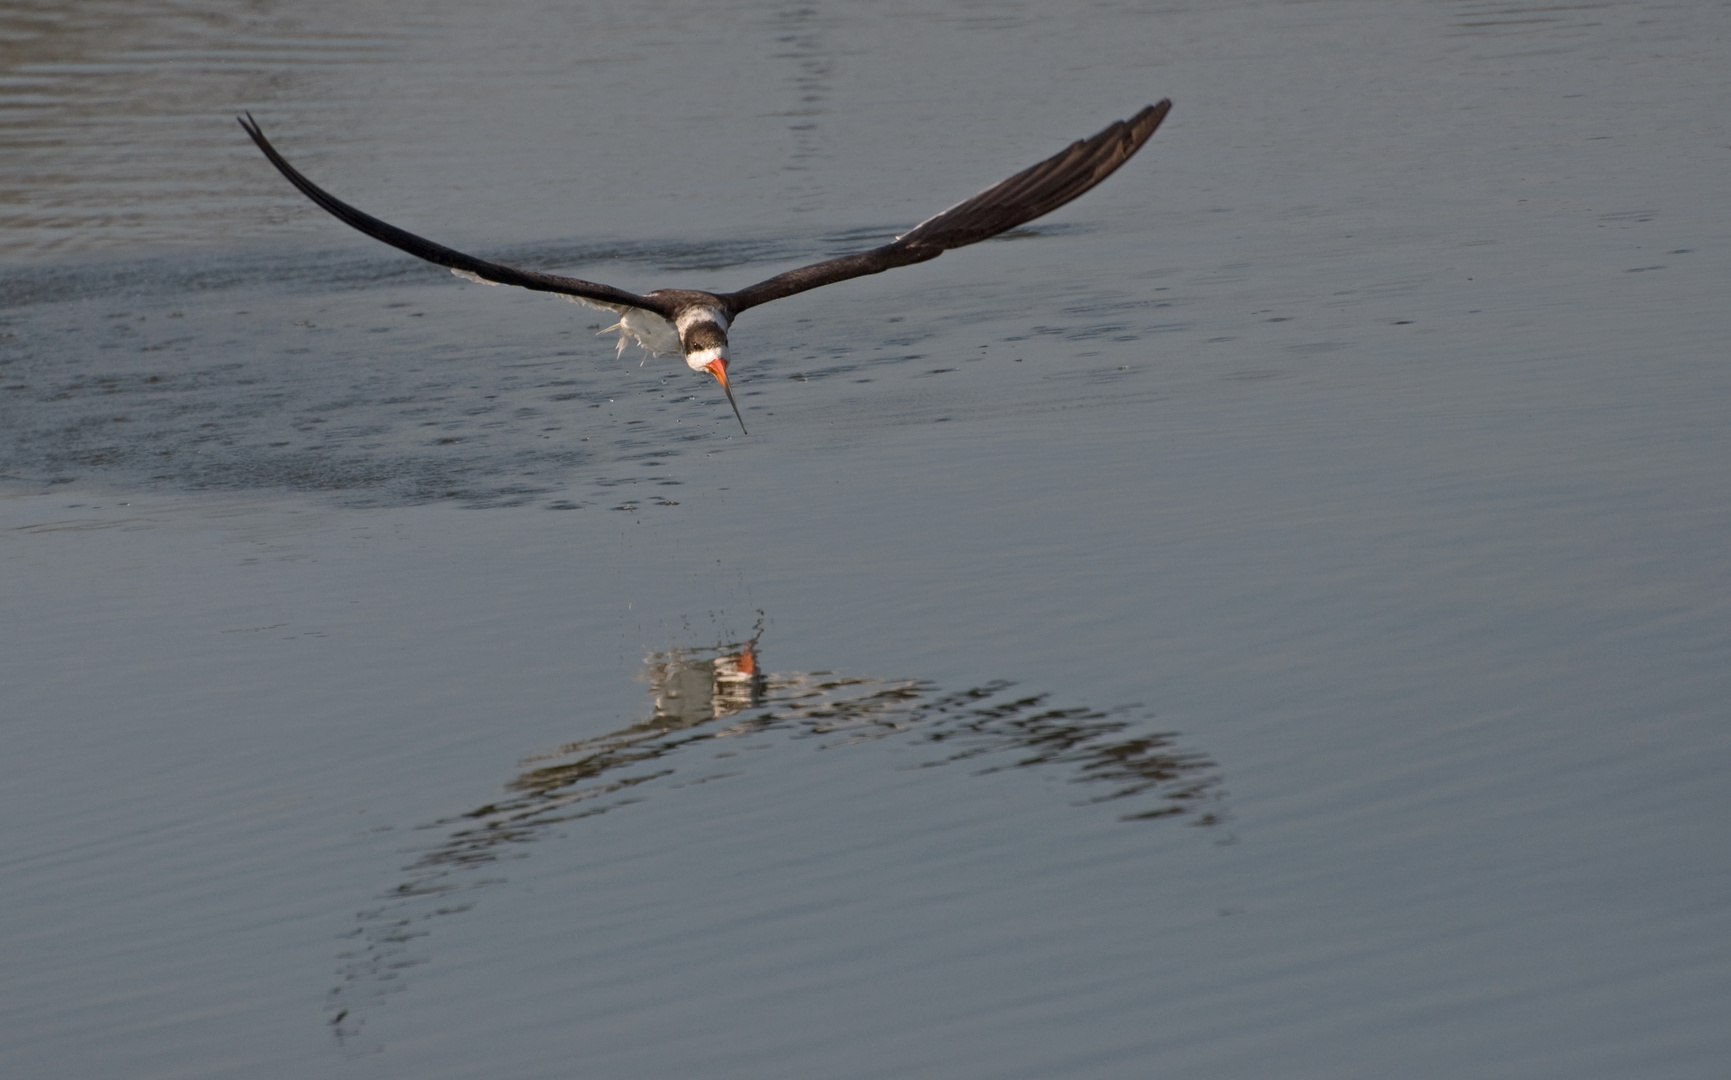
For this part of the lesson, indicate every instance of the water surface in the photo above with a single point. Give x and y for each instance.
(1268, 618)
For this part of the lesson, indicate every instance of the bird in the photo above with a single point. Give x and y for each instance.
(694, 324)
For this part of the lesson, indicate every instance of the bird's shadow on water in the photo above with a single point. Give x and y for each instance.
(360, 265)
(704, 698)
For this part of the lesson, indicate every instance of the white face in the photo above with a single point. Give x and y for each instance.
(702, 358)
(691, 321)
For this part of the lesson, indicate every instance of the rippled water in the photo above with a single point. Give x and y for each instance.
(1269, 618)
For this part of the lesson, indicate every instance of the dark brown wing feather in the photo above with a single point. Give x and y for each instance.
(1023, 197)
(444, 256)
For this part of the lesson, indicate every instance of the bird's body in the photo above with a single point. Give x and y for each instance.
(685, 322)
(651, 330)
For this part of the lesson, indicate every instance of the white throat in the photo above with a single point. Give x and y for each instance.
(702, 358)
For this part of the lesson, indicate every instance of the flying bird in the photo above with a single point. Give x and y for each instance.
(675, 322)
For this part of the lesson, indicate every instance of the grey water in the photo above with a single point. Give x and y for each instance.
(1270, 618)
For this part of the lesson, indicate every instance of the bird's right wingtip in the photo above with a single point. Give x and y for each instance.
(1146, 122)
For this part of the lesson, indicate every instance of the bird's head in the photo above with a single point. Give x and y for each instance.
(705, 342)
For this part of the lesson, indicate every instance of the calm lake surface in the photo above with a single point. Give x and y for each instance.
(1271, 618)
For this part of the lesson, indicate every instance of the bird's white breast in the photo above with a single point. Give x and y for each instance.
(646, 328)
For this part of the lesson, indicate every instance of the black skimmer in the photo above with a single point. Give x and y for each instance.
(674, 322)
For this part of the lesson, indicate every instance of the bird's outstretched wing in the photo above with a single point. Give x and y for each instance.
(1022, 198)
(444, 256)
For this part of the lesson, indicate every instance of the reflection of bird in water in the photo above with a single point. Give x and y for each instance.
(672, 322)
(708, 699)
(690, 688)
